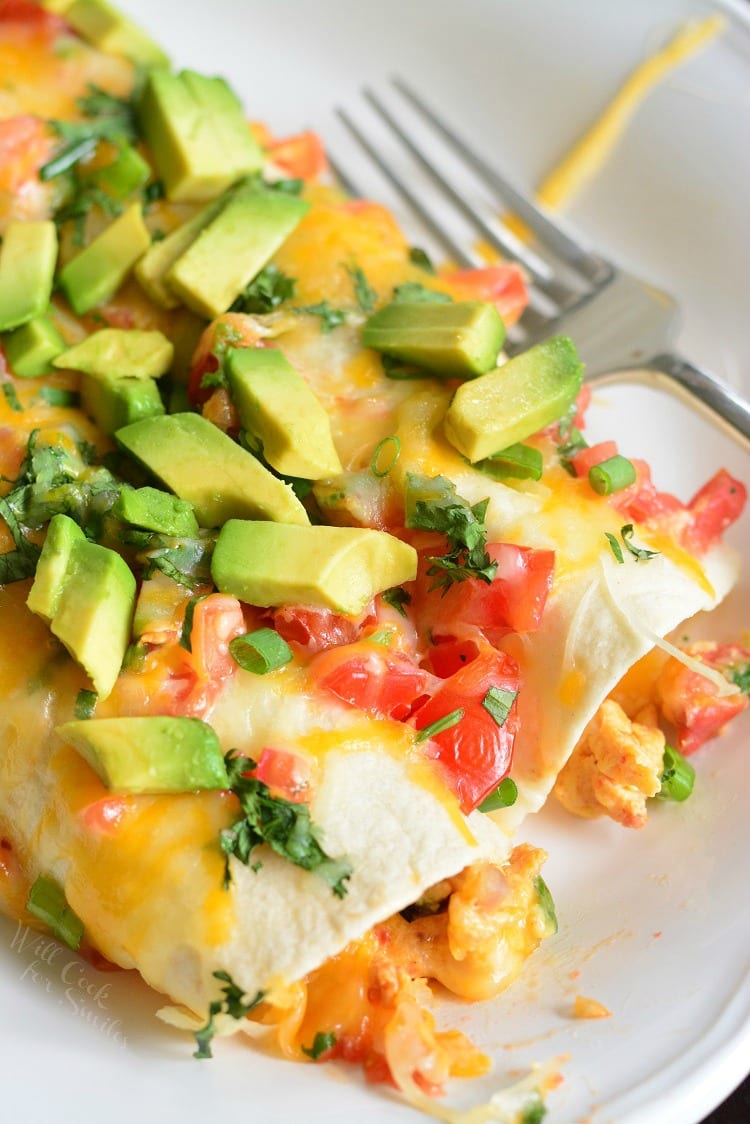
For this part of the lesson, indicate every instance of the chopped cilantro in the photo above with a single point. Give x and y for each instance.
(639, 553)
(265, 292)
(432, 504)
(330, 318)
(20, 563)
(397, 598)
(55, 396)
(285, 826)
(187, 561)
(412, 291)
(286, 186)
(235, 1004)
(498, 702)
(322, 1043)
(85, 704)
(420, 257)
(534, 1112)
(574, 443)
(187, 623)
(615, 547)
(365, 294)
(12, 398)
(394, 368)
(151, 193)
(108, 118)
(85, 196)
(740, 676)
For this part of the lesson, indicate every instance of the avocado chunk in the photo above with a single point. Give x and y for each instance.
(120, 353)
(114, 403)
(101, 24)
(233, 248)
(27, 270)
(95, 275)
(510, 403)
(152, 755)
(196, 129)
(45, 593)
(156, 263)
(277, 407)
(155, 510)
(458, 340)
(198, 462)
(31, 348)
(340, 568)
(127, 172)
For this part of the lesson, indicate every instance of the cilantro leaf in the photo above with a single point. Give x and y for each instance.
(574, 443)
(322, 1042)
(615, 547)
(108, 118)
(185, 560)
(740, 675)
(330, 318)
(365, 294)
(235, 1004)
(420, 257)
(12, 398)
(270, 288)
(20, 563)
(412, 291)
(639, 553)
(432, 504)
(397, 598)
(285, 826)
(86, 195)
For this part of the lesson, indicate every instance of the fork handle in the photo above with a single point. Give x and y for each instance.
(696, 387)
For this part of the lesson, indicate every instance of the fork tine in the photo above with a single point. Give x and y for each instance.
(501, 239)
(594, 268)
(343, 177)
(431, 221)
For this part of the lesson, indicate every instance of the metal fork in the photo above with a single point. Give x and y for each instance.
(622, 326)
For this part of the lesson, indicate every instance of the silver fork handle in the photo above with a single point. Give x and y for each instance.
(696, 387)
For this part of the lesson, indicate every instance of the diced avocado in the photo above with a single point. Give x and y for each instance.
(461, 339)
(512, 402)
(127, 172)
(196, 129)
(114, 403)
(340, 568)
(151, 755)
(232, 248)
(31, 348)
(49, 580)
(198, 462)
(155, 510)
(27, 269)
(277, 406)
(95, 611)
(153, 267)
(352, 499)
(120, 353)
(97, 272)
(109, 30)
(47, 901)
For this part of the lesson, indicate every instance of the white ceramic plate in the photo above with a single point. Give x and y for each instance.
(653, 924)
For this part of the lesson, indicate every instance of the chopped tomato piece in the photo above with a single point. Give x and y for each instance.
(217, 619)
(691, 702)
(502, 285)
(451, 656)
(594, 455)
(476, 753)
(371, 677)
(287, 774)
(714, 508)
(301, 156)
(318, 629)
(514, 601)
(32, 13)
(25, 144)
(233, 329)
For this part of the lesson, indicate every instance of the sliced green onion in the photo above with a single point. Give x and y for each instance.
(47, 902)
(498, 702)
(612, 475)
(504, 796)
(615, 547)
(521, 462)
(677, 778)
(260, 651)
(55, 396)
(382, 470)
(12, 398)
(69, 156)
(85, 704)
(440, 725)
(546, 902)
(639, 553)
(321, 1043)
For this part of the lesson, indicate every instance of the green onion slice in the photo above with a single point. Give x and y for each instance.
(498, 702)
(503, 796)
(260, 651)
(612, 475)
(440, 725)
(677, 778)
(381, 470)
(520, 462)
(47, 901)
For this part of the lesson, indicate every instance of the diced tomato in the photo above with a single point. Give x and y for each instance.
(25, 144)
(217, 619)
(318, 629)
(33, 14)
(583, 401)
(502, 285)
(372, 677)
(514, 601)
(712, 509)
(476, 753)
(233, 329)
(594, 455)
(220, 410)
(691, 702)
(301, 156)
(641, 502)
(450, 656)
(287, 774)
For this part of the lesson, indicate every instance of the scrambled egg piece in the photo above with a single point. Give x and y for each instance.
(615, 767)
